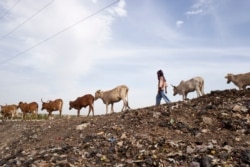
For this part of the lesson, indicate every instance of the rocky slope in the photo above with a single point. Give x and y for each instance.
(213, 130)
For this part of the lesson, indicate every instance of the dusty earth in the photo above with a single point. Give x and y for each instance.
(212, 130)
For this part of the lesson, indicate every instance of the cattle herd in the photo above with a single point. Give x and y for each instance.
(112, 96)
(109, 97)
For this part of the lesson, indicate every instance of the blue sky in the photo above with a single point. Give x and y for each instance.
(52, 49)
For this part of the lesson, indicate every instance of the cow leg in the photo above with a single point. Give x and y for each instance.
(202, 89)
(198, 92)
(12, 114)
(4, 118)
(34, 113)
(89, 109)
(125, 104)
(107, 108)
(92, 108)
(50, 114)
(112, 107)
(128, 106)
(24, 115)
(78, 113)
(185, 96)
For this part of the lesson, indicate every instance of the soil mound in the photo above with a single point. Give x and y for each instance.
(212, 130)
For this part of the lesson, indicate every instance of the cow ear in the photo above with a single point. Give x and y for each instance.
(228, 75)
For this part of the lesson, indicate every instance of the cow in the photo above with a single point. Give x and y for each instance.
(9, 111)
(51, 106)
(114, 95)
(6, 112)
(194, 84)
(240, 80)
(28, 108)
(14, 109)
(84, 101)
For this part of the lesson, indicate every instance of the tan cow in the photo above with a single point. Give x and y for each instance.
(240, 80)
(28, 108)
(112, 96)
(194, 84)
(52, 105)
(84, 101)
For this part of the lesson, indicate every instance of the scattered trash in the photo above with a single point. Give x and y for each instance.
(212, 130)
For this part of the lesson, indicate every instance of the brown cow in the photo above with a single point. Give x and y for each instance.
(6, 112)
(9, 111)
(28, 108)
(14, 109)
(84, 101)
(51, 106)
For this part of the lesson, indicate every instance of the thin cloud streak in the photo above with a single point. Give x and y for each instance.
(194, 12)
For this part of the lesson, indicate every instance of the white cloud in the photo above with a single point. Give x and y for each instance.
(89, 56)
(179, 23)
(70, 48)
(194, 12)
(200, 7)
(54, 59)
(202, 4)
(119, 9)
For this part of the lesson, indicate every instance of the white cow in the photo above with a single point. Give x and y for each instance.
(240, 80)
(194, 84)
(113, 96)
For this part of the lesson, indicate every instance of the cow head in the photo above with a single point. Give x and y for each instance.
(44, 104)
(229, 78)
(70, 105)
(20, 104)
(98, 94)
(174, 90)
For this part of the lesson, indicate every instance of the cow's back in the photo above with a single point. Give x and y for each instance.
(23, 106)
(199, 79)
(123, 90)
(33, 106)
(58, 103)
(245, 78)
(189, 85)
(86, 100)
(116, 94)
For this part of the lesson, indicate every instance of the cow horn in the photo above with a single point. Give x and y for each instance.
(42, 100)
(172, 85)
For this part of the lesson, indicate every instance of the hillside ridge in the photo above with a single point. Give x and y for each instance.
(212, 130)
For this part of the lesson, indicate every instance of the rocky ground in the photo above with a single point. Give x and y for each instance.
(213, 130)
